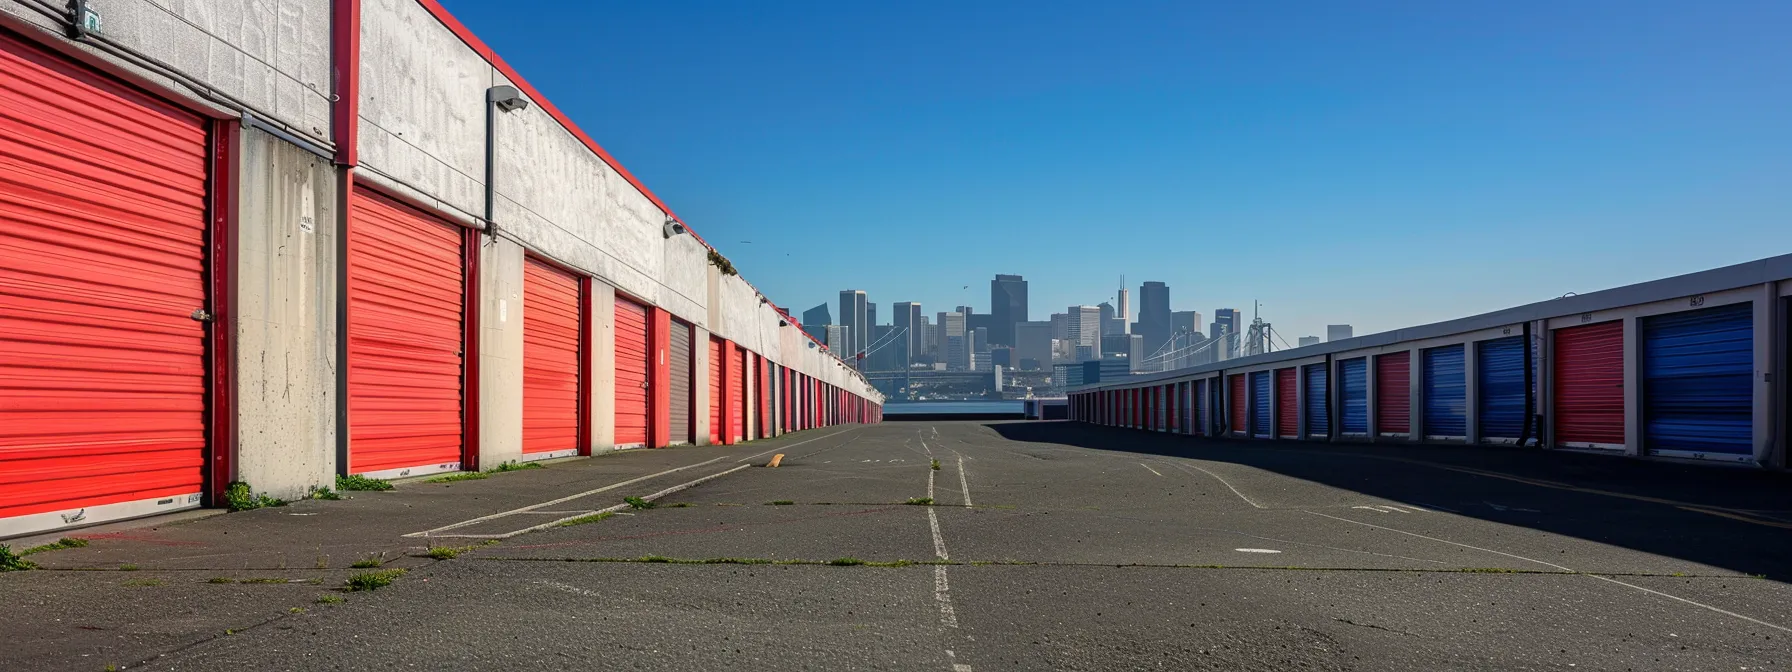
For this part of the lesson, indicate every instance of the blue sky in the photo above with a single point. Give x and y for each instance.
(1394, 164)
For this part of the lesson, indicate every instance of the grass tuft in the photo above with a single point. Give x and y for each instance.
(220, 579)
(919, 501)
(369, 562)
(57, 545)
(329, 599)
(462, 476)
(449, 552)
(936, 464)
(639, 503)
(846, 562)
(322, 493)
(359, 483)
(515, 466)
(127, 567)
(582, 520)
(373, 580)
(241, 497)
(296, 610)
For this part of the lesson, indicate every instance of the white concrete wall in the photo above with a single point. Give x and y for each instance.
(500, 352)
(286, 331)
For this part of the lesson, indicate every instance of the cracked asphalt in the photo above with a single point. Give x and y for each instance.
(1046, 546)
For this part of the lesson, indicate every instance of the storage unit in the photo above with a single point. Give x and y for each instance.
(102, 267)
(1164, 408)
(1260, 405)
(682, 358)
(1698, 382)
(633, 359)
(1499, 389)
(1393, 394)
(738, 380)
(1446, 393)
(1318, 421)
(552, 357)
(1185, 407)
(406, 301)
(1588, 382)
(1202, 418)
(1287, 404)
(1237, 404)
(715, 391)
(1353, 397)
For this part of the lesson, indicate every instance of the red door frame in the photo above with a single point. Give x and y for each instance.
(659, 378)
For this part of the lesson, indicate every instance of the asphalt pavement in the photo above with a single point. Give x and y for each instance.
(960, 546)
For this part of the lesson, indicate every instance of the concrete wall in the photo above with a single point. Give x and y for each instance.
(286, 331)
(500, 352)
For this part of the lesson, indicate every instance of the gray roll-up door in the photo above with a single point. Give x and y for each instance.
(681, 382)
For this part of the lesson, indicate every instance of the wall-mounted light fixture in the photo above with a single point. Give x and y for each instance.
(782, 323)
(672, 228)
(508, 99)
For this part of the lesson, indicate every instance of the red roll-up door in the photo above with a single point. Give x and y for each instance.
(551, 356)
(1589, 386)
(632, 362)
(406, 297)
(1238, 403)
(1393, 393)
(1287, 403)
(102, 266)
(715, 391)
(737, 395)
(762, 400)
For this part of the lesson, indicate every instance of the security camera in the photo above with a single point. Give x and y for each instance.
(673, 227)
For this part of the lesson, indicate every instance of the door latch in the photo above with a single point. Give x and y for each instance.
(200, 315)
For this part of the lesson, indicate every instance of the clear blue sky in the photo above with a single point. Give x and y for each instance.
(1395, 164)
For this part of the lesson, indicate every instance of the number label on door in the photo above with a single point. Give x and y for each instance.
(1697, 301)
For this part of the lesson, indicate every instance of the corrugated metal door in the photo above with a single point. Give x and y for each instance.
(551, 326)
(715, 391)
(1202, 419)
(1446, 393)
(1499, 388)
(682, 354)
(1238, 404)
(1185, 407)
(1318, 420)
(1393, 393)
(1287, 404)
(633, 402)
(1589, 386)
(1260, 404)
(1698, 381)
(102, 368)
(1353, 388)
(1162, 422)
(737, 389)
(405, 303)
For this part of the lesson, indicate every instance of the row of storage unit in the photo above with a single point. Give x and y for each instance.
(1682, 368)
(139, 268)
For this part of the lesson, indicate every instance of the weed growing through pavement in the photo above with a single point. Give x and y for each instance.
(373, 580)
(582, 520)
(330, 599)
(846, 562)
(462, 476)
(57, 545)
(448, 552)
(779, 502)
(919, 501)
(241, 497)
(322, 493)
(127, 567)
(359, 483)
(514, 466)
(936, 464)
(296, 610)
(369, 562)
(638, 503)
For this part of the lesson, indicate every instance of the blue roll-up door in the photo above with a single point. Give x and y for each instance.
(1499, 387)
(1200, 402)
(1318, 421)
(1260, 394)
(1353, 382)
(1698, 381)
(1446, 392)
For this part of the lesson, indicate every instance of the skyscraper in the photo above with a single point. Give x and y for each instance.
(1154, 314)
(816, 321)
(1033, 340)
(835, 338)
(954, 342)
(1124, 307)
(1338, 332)
(1308, 340)
(1084, 325)
(1111, 323)
(1225, 326)
(871, 314)
(907, 316)
(853, 316)
(1007, 305)
(1185, 320)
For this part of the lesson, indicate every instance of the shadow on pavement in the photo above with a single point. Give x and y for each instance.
(1730, 518)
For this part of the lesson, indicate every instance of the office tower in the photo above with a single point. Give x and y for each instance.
(836, 336)
(1123, 305)
(853, 316)
(1185, 320)
(906, 318)
(1225, 326)
(980, 349)
(1308, 340)
(1007, 306)
(1002, 356)
(954, 341)
(1154, 314)
(816, 321)
(1338, 332)
(1084, 325)
(1110, 324)
(975, 321)
(1113, 367)
(871, 315)
(1061, 326)
(1033, 340)
(878, 355)
(1085, 353)
(930, 339)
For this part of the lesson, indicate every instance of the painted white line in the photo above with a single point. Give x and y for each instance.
(939, 542)
(962, 482)
(1256, 550)
(556, 585)
(956, 666)
(1222, 481)
(1148, 468)
(942, 593)
(1676, 598)
(567, 498)
(609, 509)
(818, 438)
